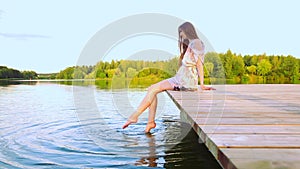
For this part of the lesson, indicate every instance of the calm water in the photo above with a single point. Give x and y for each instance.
(50, 125)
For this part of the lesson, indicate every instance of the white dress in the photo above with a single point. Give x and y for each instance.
(187, 76)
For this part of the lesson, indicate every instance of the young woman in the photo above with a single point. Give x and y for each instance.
(191, 67)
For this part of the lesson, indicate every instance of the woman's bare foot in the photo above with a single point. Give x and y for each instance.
(150, 125)
(129, 121)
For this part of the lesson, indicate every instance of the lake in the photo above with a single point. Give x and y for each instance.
(54, 125)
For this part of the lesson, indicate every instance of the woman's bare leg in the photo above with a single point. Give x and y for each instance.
(151, 117)
(148, 99)
(142, 107)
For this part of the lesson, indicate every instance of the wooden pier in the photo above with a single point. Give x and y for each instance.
(246, 126)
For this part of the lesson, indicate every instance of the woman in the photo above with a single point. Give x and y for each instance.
(191, 67)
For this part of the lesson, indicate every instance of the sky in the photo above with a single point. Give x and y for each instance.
(48, 36)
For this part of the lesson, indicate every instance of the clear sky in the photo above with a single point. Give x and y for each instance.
(48, 36)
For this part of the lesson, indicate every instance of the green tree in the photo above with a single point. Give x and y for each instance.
(247, 60)
(144, 72)
(101, 75)
(100, 72)
(123, 65)
(113, 64)
(111, 72)
(296, 74)
(251, 69)
(131, 72)
(254, 60)
(288, 66)
(29, 74)
(209, 68)
(6, 73)
(79, 73)
(139, 65)
(227, 63)
(218, 69)
(264, 67)
(238, 66)
(67, 73)
(171, 66)
(276, 62)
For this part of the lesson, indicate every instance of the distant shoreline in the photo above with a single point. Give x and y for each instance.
(208, 81)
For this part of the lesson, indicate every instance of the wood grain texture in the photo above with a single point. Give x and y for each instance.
(246, 126)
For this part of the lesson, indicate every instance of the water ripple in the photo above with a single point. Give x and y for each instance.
(40, 128)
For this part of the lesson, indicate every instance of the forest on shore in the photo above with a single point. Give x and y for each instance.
(10, 73)
(230, 66)
(234, 67)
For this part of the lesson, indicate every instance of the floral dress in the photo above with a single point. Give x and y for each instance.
(187, 76)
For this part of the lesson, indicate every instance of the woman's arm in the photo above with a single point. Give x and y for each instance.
(200, 64)
(197, 46)
(198, 52)
(200, 71)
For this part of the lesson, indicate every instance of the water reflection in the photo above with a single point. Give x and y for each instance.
(125, 83)
(181, 150)
(189, 153)
(16, 82)
(149, 161)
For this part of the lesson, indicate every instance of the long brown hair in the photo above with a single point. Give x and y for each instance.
(190, 33)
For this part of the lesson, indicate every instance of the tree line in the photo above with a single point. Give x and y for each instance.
(226, 65)
(121, 69)
(272, 68)
(9, 73)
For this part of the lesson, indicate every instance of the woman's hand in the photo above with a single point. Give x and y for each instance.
(203, 87)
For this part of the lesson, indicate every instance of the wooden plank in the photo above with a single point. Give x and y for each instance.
(247, 121)
(256, 140)
(236, 96)
(242, 109)
(255, 88)
(263, 158)
(227, 102)
(254, 129)
(263, 153)
(238, 114)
